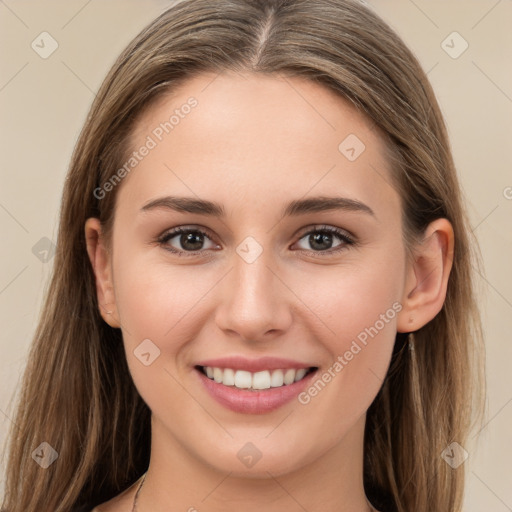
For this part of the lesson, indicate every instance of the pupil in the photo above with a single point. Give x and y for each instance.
(188, 238)
(318, 238)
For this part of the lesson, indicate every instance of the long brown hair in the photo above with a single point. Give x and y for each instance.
(78, 395)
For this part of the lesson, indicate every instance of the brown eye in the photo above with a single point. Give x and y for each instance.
(185, 240)
(322, 239)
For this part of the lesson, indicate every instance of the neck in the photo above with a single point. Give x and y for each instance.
(178, 480)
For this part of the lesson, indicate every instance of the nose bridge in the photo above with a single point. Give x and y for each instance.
(253, 300)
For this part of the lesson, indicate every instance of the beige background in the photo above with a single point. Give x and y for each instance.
(43, 103)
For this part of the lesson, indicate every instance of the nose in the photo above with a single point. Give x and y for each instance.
(254, 301)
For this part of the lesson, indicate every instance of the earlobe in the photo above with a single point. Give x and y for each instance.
(427, 277)
(99, 257)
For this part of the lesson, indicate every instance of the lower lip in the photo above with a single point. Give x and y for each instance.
(254, 402)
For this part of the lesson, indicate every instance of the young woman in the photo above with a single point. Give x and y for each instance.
(262, 295)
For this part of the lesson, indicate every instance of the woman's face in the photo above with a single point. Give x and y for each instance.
(247, 165)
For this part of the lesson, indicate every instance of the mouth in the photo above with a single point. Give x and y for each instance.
(255, 381)
(254, 386)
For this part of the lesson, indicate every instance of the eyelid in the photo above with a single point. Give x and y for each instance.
(329, 228)
(187, 227)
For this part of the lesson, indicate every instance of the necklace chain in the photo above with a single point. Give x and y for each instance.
(137, 493)
(134, 508)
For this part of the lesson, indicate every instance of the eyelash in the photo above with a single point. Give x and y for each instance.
(343, 235)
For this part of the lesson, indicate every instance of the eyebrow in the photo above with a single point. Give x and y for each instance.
(294, 208)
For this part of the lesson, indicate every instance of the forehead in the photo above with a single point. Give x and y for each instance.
(252, 139)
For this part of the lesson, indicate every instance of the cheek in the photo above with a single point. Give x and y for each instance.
(360, 309)
(154, 299)
(156, 308)
(164, 304)
(350, 299)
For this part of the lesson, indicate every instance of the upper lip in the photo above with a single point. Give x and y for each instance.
(254, 365)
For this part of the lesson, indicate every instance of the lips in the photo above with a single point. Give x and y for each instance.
(254, 365)
(254, 386)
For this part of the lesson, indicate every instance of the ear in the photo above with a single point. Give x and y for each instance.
(427, 277)
(99, 256)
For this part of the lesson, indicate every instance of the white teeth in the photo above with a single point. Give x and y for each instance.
(299, 374)
(259, 380)
(229, 377)
(289, 376)
(243, 380)
(217, 375)
(277, 379)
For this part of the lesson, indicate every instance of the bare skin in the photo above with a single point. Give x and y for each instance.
(254, 143)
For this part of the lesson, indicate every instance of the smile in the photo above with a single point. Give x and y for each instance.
(254, 386)
(255, 381)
